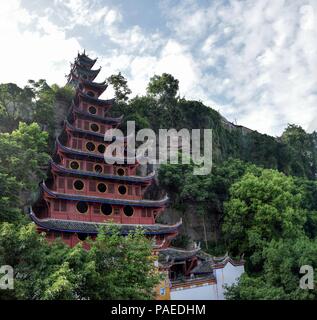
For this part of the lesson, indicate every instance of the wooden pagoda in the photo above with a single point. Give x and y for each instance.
(82, 192)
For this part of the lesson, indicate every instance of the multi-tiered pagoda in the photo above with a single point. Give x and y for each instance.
(83, 192)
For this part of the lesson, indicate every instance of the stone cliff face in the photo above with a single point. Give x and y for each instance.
(196, 226)
(60, 112)
(61, 108)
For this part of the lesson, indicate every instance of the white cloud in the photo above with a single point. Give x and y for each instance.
(43, 53)
(112, 16)
(257, 59)
(266, 49)
(82, 12)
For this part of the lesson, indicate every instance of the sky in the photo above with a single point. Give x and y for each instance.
(253, 61)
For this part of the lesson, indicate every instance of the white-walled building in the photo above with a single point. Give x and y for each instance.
(206, 280)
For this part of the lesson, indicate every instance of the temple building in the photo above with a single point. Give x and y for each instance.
(195, 275)
(83, 192)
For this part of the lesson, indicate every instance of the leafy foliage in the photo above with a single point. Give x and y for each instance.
(164, 87)
(269, 216)
(16, 105)
(115, 267)
(203, 194)
(280, 277)
(262, 208)
(24, 154)
(9, 200)
(120, 85)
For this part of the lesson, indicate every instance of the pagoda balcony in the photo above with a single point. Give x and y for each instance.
(90, 144)
(93, 108)
(93, 155)
(90, 186)
(99, 132)
(90, 98)
(86, 125)
(98, 173)
(142, 203)
(99, 119)
(91, 167)
(71, 209)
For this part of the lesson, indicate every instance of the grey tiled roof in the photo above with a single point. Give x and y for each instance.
(85, 70)
(174, 255)
(96, 101)
(93, 227)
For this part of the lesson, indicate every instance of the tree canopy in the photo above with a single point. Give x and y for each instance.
(120, 86)
(115, 267)
(164, 87)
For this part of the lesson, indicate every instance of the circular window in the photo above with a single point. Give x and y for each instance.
(90, 146)
(98, 168)
(82, 236)
(74, 165)
(94, 127)
(128, 211)
(120, 172)
(102, 187)
(122, 190)
(92, 110)
(106, 209)
(101, 148)
(82, 206)
(78, 185)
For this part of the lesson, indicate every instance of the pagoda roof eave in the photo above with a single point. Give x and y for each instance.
(117, 160)
(95, 134)
(93, 227)
(85, 70)
(73, 197)
(96, 101)
(99, 87)
(108, 120)
(133, 179)
(83, 56)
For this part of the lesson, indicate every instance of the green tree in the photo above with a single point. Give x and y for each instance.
(261, 208)
(202, 194)
(24, 155)
(9, 198)
(16, 104)
(280, 278)
(123, 266)
(302, 151)
(164, 87)
(120, 86)
(115, 267)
